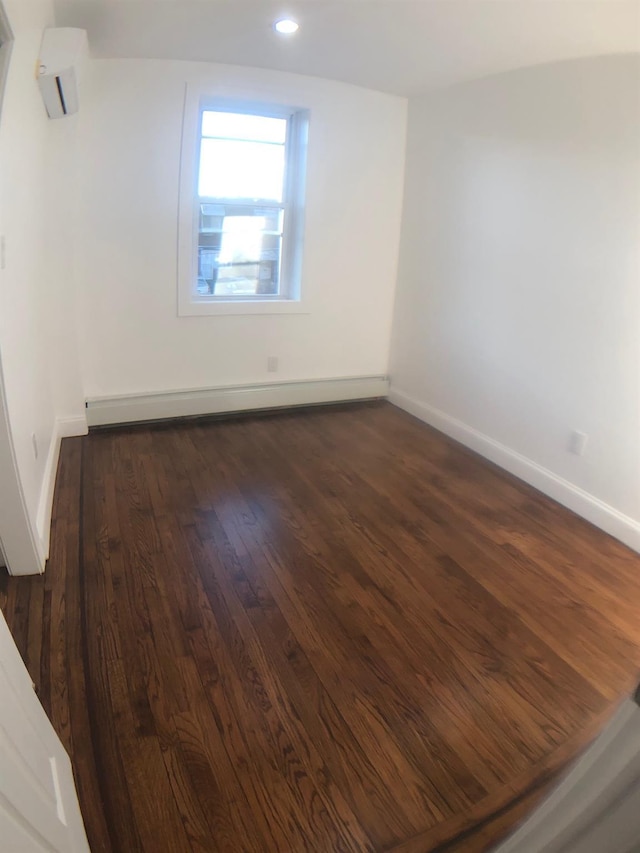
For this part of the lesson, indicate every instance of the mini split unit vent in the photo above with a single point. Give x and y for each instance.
(62, 55)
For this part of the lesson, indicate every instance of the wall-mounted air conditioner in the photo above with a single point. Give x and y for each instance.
(62, 54)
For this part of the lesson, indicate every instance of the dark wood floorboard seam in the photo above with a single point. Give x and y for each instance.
(104, 779)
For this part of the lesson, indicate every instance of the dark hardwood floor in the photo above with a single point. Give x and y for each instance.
(322, 630)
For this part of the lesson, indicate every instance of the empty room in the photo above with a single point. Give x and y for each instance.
(319, 426)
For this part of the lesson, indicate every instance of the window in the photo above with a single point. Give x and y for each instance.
(247, 202)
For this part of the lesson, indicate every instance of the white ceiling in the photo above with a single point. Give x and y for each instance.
(398, 46)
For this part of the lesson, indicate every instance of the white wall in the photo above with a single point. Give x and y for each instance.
(518, 307)
(131, 337)
(42, 384)
(58, 289)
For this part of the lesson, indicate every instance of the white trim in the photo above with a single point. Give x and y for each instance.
(588, 506)
(21, 546)
(63, 428)
(6, 46)
(71, 427)
(206, 401)
(207, 307)
(292, 299)
(584, 798)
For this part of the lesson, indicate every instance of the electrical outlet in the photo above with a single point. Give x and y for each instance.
(272, 364)
(578, 442)
(34, 442)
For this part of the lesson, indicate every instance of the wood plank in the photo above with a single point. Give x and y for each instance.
(326, 629)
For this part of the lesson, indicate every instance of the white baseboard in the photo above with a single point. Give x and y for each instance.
(63, 428)
(603, 515)
(102, 411)
(70, 427)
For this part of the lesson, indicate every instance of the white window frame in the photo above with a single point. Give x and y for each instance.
(290, 296)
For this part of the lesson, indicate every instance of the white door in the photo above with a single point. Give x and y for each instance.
(38, 803)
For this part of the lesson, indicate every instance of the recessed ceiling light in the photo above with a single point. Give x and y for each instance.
(285, 26)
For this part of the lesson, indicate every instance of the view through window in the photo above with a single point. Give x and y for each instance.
(242, 204)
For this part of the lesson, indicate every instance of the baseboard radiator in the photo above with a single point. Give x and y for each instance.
(129, 408)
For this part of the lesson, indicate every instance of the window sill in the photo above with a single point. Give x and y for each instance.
(210, 308)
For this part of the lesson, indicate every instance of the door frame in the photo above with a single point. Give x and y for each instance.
(20, 543)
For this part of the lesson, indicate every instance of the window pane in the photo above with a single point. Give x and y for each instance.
(231, 169)
(239, 251)
(248, 127)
